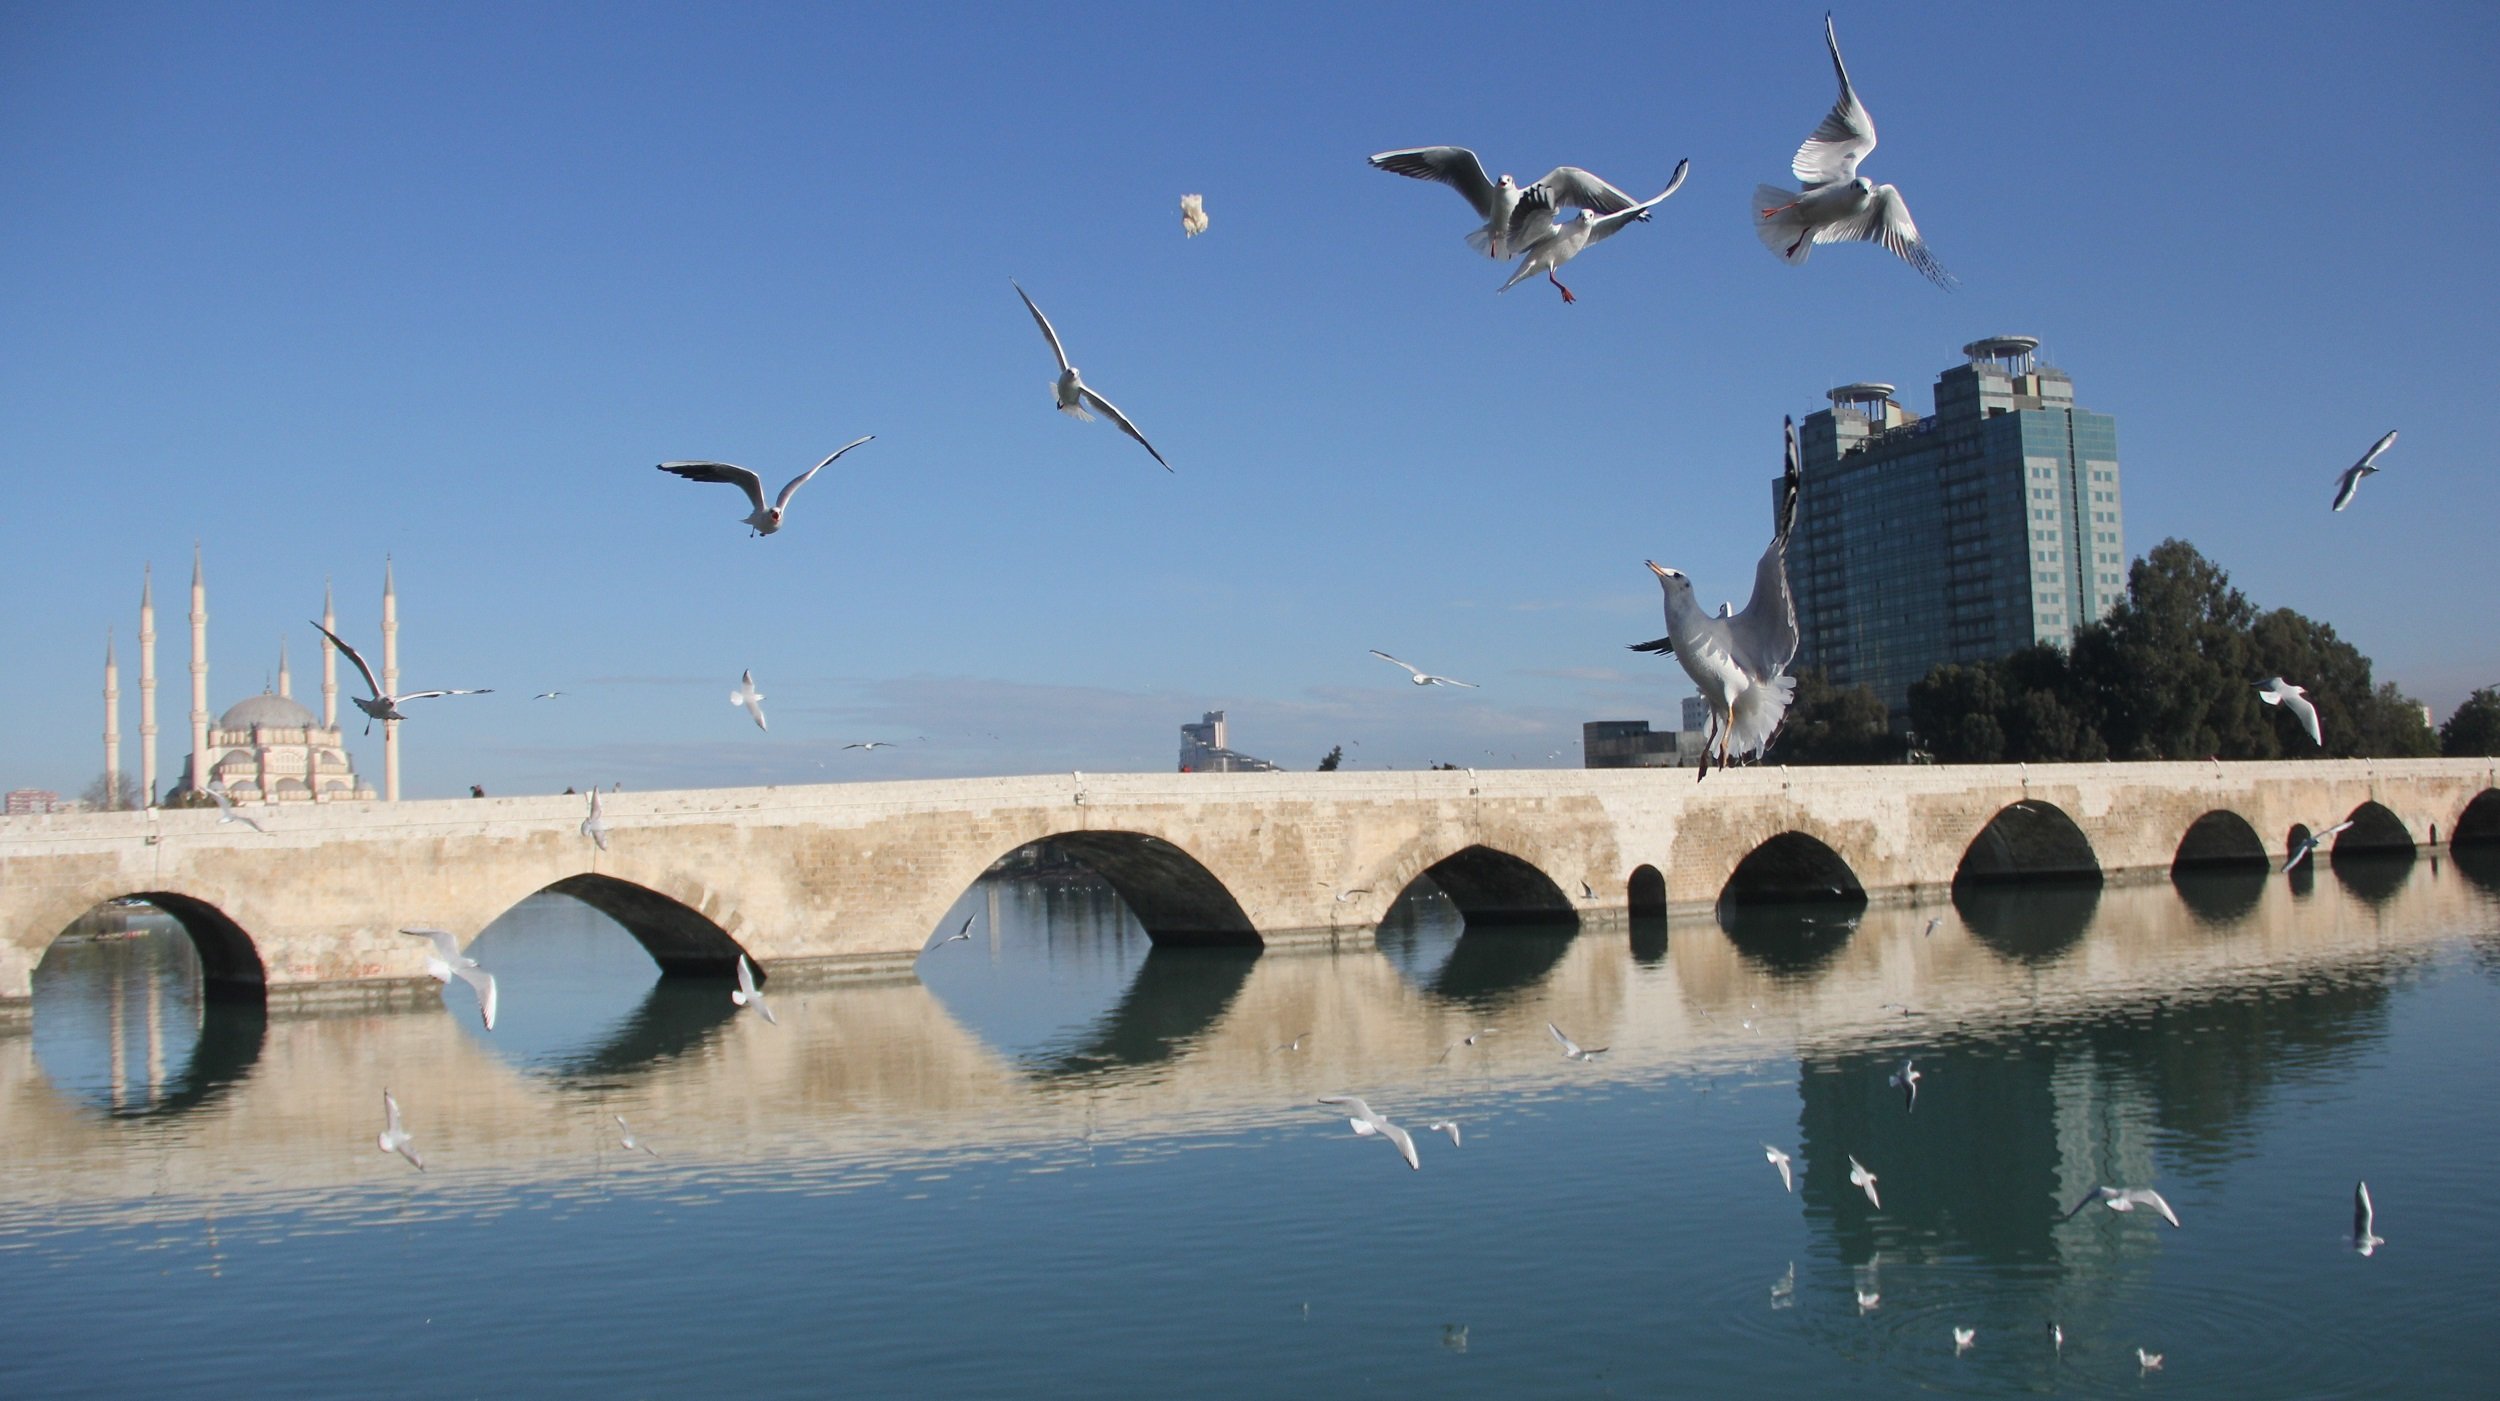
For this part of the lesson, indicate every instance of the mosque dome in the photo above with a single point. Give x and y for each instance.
(273, 711)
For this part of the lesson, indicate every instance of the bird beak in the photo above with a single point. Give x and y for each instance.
(1659, 569)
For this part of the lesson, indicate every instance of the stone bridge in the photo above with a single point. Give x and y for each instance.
(860, 875)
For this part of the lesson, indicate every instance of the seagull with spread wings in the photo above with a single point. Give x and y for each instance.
(1550, 246)
(748, 995)
(1072, 392)
(447, 963)
(1498, 202)
(1838, 204)
(382, 707)
(1420, 676)
(2295, 699)
(2124, 1199)
(394, 1137)
(1367, 1124)
(764, 519)
(2350, 482)
(226, 811)
(748, 698)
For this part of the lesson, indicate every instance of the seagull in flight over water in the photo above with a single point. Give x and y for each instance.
(631, 1142)
(1906, 1081)
(746, 994)
(1838, 204)
(2277, 691)
(1864, 1181)
(746, 695)
(1071, 391)
(2309, 844)
(1780, 1160)
(764, 519)
(2125, 1199)
(226, 811)
(961, 934)
(2350, 482)
(383, 707)
(1571, 1049)
(447, 963)
(1420, 676)
(1367, 1124)
(394, 1138)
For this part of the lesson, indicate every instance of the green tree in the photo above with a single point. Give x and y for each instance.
(2168, 671)
(1336, 756)
(2474, 730)
(1953, 711)
(1828, 725)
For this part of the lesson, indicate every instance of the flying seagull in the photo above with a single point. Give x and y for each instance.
(1295, 1044)
(1932, 922)
(1740, 664)
(394, 1139)
(1571, 1049)
(2350, 482)
(746, 695)
(2363, 1218)
(1072, 392)
(1498, 201)
(447, 963)
(2275, 691)
(1367, 1124)
(226, 811)
(2057, 1337)
(547, 695)
(1838, 204)
(383, 707)
(1470, 1039)
(2309, 844)
(870, 744)
(1780, 1160)
(746, 995)
(631, 1142)
(2125, 1199)
(764, 519)
(1447, 1126)
(1906, 1081)
(1193, 215)
(1962, 1340)
(1421, 677)
(963, 933)
(595, 826)
(1860, 1178)
(1557, 244)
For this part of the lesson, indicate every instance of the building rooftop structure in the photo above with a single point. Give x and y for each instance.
(1203, 750)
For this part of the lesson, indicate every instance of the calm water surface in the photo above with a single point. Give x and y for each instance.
(1067, 1161)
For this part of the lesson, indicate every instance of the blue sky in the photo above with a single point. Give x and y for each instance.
(310, 284)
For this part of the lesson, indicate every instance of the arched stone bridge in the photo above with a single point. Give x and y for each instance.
(864, 872)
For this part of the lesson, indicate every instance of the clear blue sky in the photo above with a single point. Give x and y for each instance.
(312, 283)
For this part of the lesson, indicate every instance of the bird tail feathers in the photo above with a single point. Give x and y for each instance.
(1784, 232)
(1757, 714)
(1077, 411)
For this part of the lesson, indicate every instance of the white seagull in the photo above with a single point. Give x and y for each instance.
(447, 963)
(1193, 215)
(746, 996)
(1367, 1124)
(1860, 1178)
(2364, 1216)
(1962, 1340)
(1072, 393)
(1931, 925)
(2276, 691)
(226, 810)
(2309, 844)
(1420, 676)
(1558, 244)
(1571, 1049)
(547, 695)
(1740, 664)
(2350, 482)
(394, 1139)
(1780, 1160)
(764, 519)
(595, 826)
(631, 1142)
(870, 744)
(2125, 1199)
(2147, 1361)
(1498, 201)
(1838, 204)
(1906, 1081)
(746, 695)
(961, 934)
(1469, 1039)
(1447, 1126)
(382, 707)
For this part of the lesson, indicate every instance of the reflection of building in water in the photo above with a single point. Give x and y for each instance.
(1203, 750)
(1631, 744)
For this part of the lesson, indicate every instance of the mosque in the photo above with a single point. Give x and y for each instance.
(267, 748)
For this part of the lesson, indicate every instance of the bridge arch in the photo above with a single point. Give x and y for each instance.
(230, 964)
(1172, 893)
(1645, 894)
(1791, 866)
(2221, 839)
(2479, 823)
(2374, 829)
(2029, 840)
(207, 1047)
(685, 942)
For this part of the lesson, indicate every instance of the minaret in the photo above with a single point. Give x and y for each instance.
(112, 726)
(147, 688)
(390, 683)
(286, 687)
(193, 777)
(329, 663)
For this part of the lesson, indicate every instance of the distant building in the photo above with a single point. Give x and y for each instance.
(30, 802)
(1987, 527)
(1696, 713)
(1203, 750)
(1631, 744)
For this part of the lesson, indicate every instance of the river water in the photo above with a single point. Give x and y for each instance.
(1065, 1161)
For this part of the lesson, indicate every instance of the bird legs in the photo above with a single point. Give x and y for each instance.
(1567, 297)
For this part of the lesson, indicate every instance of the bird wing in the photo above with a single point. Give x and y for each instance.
(1832, 153)
(1452, 681)
(484, 983)
(1663, 646)
(1454, 166)
(1044, 322)
(1570, 185)
(1353, 1105)
(2331, 831)
(2369, 460)
(2090, 1197)
(1607, 225)
(429, 695)
(746, 977)
(2157, 1202)
(1387, 658)
(1569, 1047)
(390, 1116)
(1763, 638)
(2363, 1217)
(2350, 483)
(2299, 705)
(782, 501)
(371, 686)
(1886, 220)
(1112, 412)
(731, 473)
(1405, 1143)
(446, 945)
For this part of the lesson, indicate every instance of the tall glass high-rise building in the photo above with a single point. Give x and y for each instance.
(1986, 527)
